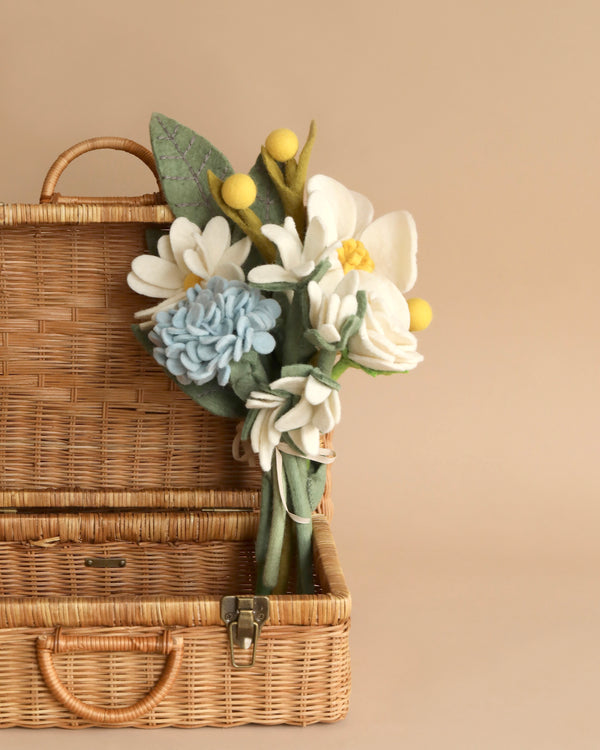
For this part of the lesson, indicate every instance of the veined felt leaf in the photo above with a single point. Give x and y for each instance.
(267, 206)
(219, 400)
(183, 159)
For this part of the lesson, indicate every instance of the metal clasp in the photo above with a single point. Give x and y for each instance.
(244, 617)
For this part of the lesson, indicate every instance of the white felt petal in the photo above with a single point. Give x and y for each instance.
(289, 246)
(318, 207)
(148, 290)
(348, 284)
(238, 252)
(294, 384)
(164, 248)
(330, 282)
(341, 201)
(183, 235)
(229, 271)
(216, 235)
(290, 226)
(157, 271)
(323, 418)
(315, 391)
(364, 212)
(193, 262)
(348, 307)
(315, 241)
(166, 305)
(315, 296)
(310, 439)
(270, 274)
(392, 243)
(329, 332)
(296, 417)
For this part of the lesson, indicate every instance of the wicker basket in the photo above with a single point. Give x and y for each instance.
(124, 521)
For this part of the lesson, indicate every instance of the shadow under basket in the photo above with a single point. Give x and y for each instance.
(117, 619)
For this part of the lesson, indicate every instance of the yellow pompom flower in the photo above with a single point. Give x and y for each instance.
(239, 191)
(420, 314)
(282, 144)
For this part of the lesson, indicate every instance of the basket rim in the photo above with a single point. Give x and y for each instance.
(331, 608)
(34, 214)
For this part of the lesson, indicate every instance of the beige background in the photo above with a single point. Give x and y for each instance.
(467, 492)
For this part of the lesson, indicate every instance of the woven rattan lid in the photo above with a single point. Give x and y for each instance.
(87, 418)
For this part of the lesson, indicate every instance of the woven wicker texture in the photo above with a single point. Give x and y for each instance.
(301, 676)
(302, 671)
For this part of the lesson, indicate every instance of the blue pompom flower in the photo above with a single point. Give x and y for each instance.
(197, 339)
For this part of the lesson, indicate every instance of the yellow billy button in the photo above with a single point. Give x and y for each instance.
(239, 191)
(282, 144)
(420, 313)
(191, 280)
(354, 256)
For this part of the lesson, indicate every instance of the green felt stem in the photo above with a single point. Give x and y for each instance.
(326, 361)
(270, 572)
(296, 470)
(262, 534)
(291, 197)
(340, 368)
(286, 558)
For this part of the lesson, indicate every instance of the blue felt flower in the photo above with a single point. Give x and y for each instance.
(197, 339)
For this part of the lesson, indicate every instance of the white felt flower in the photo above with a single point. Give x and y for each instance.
(329, 312)
(317, 411)
(387, 245)
(383, 341)
(297, 260)
(187, 256)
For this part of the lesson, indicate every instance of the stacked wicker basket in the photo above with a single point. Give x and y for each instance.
(124, 521)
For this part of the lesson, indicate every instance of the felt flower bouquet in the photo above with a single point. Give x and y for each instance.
(270, 287)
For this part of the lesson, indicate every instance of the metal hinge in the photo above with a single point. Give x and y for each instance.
(244, 617)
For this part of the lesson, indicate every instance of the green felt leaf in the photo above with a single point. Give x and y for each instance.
(220, 401)
(268, 206)
(248, 375)
(183, 159)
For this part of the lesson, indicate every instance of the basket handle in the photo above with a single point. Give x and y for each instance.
(92, 144)
(167, 644)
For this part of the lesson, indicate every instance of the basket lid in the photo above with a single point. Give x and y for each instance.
(87, 418)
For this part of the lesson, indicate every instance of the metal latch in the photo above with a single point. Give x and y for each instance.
(244, 617)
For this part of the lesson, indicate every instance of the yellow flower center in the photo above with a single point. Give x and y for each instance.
(354, 255)
(191, 280)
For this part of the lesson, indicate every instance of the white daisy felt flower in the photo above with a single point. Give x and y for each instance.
(387, 245)
(187, 256)
(297, 260)
(383, 341)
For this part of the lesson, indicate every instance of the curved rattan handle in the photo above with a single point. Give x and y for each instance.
(169, 645)
(92, 144)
